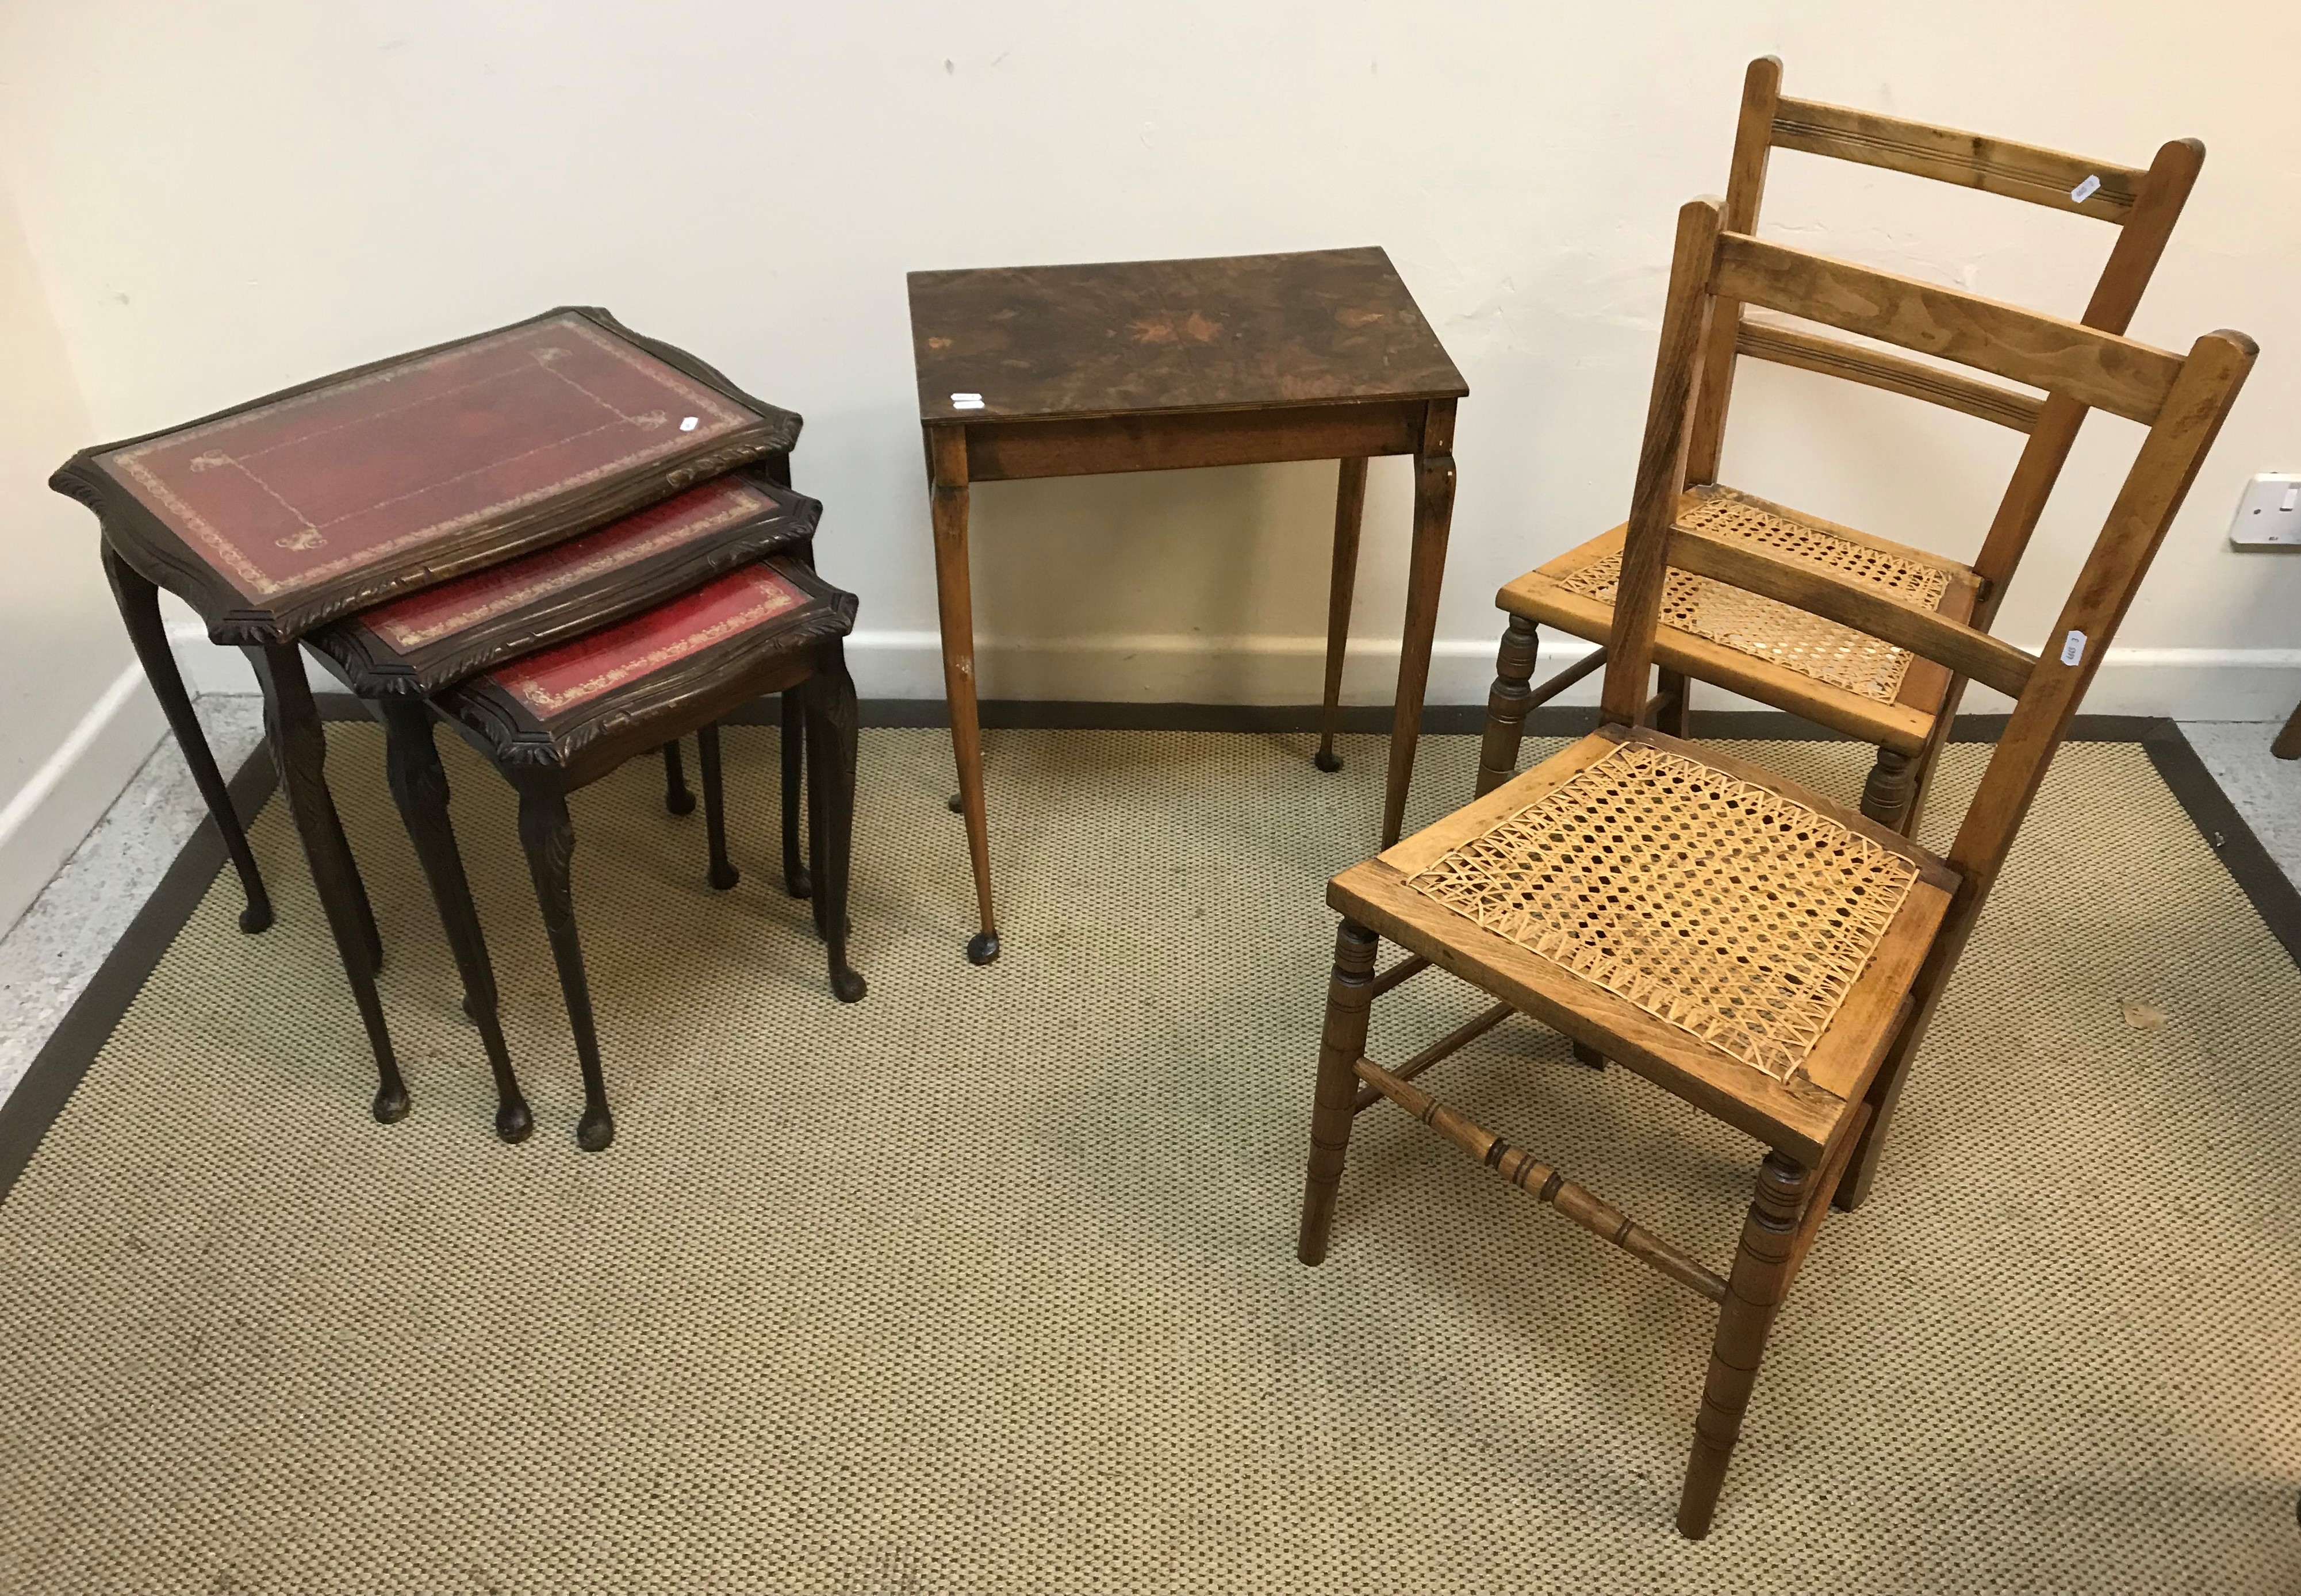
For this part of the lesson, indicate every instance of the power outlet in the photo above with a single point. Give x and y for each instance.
(2269, 514)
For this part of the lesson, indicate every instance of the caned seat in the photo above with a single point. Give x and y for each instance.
(1706, 923)
(1772, 650)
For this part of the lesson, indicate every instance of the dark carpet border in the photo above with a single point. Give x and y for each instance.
(57, 1071)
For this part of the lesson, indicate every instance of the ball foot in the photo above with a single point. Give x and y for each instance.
(798, 883)
(848, 985)
(597, 1131)
(391, 1104)
(255, 919)
(682, 802)
(722, 878)
(955, 804)
(513, 1122)
(981, 947)
(1327, 760)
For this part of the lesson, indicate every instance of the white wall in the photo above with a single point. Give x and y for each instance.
(75, 716)
(225, 198)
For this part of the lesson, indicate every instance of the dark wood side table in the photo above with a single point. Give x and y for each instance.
(277, 516)
(1155, 365)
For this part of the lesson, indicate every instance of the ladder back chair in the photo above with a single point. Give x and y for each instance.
(1766, 954)
(1772, 649)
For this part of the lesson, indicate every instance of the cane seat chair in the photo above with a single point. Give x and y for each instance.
(1764, 953)
(1773, 651)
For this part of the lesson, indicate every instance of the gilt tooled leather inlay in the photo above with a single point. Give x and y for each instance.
(458, 606)
(308, 488)
(558, 680)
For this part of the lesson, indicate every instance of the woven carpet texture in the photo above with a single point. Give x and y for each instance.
(987, 1284)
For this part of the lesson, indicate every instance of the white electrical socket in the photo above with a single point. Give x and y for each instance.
(2269, 514)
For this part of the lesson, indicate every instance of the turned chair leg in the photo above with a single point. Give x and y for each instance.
(1507, 704)
(1341, 1043)
(549, 836)
(723, 875)
(831, 728)
(676, 797)
(1762, 1266)
(1893, 784)
(419, 784)
(796, 881)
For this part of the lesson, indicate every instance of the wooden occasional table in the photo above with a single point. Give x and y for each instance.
(275, 517)
(1155, 365)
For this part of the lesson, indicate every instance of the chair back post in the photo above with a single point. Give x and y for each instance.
(1662, 461)
(2184, 430)
(2157, 204)
(1745, 188)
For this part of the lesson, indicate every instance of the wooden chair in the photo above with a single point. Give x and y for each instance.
(1765, 953)
(1770, 649)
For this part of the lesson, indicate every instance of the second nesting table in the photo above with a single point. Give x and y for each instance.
(1157, 365)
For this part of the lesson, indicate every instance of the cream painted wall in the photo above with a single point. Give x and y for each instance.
(227, 197)
(75, 716)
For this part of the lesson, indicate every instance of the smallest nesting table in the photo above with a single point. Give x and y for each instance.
(1155, 365)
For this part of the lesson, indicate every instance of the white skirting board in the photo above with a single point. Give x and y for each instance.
(2190, 684)
(48, 817)
(71, 791)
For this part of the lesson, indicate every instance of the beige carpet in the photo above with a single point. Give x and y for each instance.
(987, 1284)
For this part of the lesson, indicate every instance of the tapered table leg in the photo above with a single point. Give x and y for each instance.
(139, 611)
(419, 784)
(955, 598)
(299, 744)
(1434, 513)
(549, 836)
(831, 728)
(1350, 506)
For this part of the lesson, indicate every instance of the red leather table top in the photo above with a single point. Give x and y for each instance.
(328, 499)
(585, 705)
(562, 680)
(437, 636)
(459, 606)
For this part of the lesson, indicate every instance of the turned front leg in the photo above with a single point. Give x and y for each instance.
(1762, 1266)
(1341, 1043)
(1507, 704)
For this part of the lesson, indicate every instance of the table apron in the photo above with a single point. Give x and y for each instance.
(1010, 451)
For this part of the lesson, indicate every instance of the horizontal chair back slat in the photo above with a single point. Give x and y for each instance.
(2098, 369)
(1823, 592)
(1835, 357)
(1997, 165)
